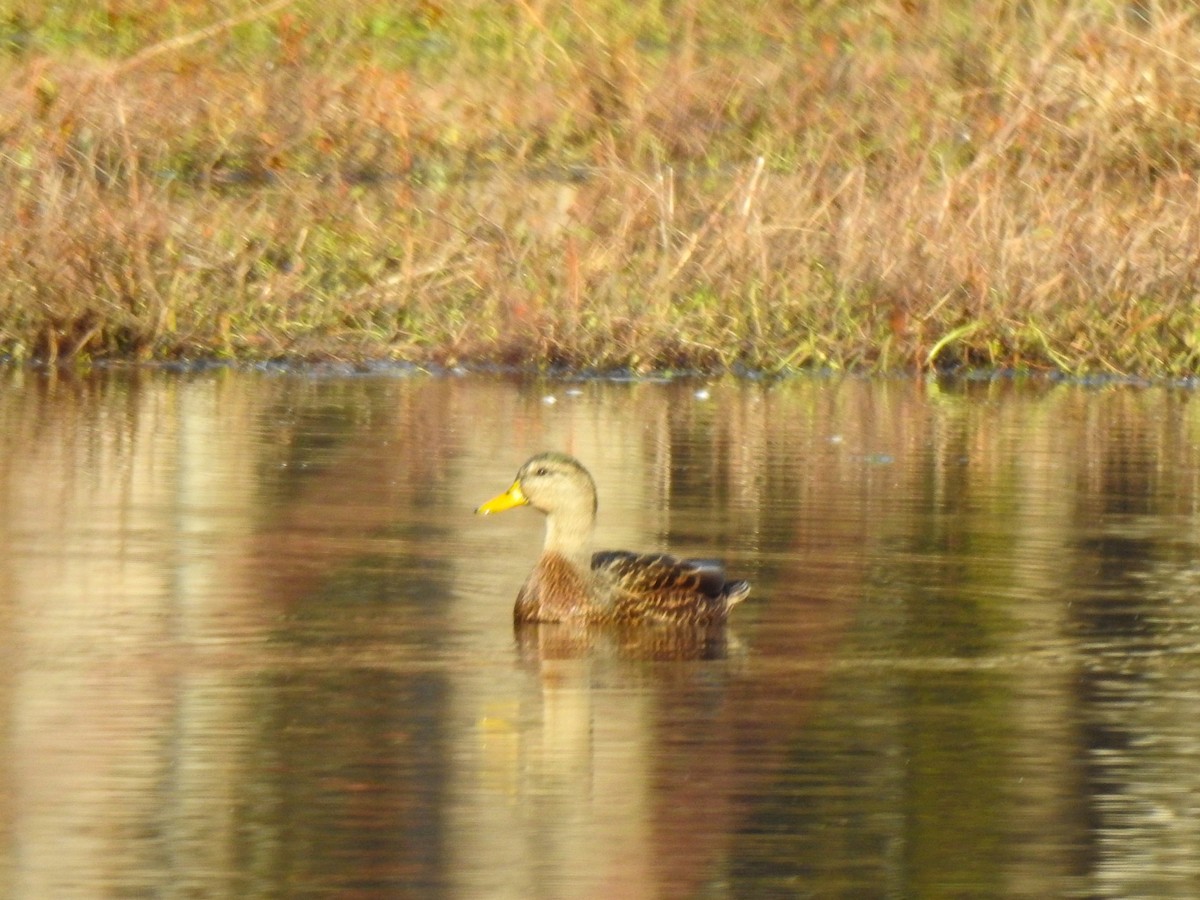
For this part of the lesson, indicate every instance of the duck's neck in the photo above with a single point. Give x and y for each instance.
(569, 534)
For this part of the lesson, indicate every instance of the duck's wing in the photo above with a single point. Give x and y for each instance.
(667, 588)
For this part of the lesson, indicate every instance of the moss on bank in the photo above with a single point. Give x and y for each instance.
(873, 186)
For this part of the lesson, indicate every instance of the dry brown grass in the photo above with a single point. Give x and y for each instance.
(880, 185)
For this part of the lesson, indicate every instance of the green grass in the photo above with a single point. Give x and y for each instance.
(870, 186)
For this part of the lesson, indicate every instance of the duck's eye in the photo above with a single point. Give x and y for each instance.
(541, 471)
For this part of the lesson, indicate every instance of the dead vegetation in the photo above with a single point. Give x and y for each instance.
(875, 186)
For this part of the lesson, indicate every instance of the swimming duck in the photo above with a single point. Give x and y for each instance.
(571, 583)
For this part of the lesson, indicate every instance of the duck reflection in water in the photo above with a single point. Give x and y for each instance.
(646, 641)
(662, 604)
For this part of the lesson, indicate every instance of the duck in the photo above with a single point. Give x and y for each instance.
(573, 583)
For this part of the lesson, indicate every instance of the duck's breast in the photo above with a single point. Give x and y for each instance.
(554, 591)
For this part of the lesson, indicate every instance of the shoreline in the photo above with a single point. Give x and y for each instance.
(946, 188)
(380, 367)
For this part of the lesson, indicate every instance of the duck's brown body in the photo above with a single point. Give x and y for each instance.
(570, 583)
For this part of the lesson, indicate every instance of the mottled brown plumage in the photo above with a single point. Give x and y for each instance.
(571, 583)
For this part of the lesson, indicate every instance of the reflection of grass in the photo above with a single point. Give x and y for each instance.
(613, 184)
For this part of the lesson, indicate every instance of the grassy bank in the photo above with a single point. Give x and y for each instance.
(866, 185)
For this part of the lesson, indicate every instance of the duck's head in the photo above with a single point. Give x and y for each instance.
(553, 483)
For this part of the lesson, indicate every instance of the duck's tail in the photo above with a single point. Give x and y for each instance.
(735, 592)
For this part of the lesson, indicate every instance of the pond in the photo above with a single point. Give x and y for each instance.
(256, 644)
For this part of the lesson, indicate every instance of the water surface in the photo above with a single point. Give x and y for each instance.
(255, 644)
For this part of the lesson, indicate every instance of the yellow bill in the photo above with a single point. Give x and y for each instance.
(510, 498)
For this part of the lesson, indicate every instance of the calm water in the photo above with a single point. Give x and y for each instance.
(255, 644)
